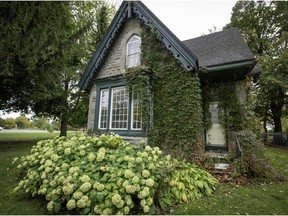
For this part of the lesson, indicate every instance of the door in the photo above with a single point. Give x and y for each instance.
(215, 136)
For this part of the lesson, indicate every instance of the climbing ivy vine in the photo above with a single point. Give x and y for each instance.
(176, 109)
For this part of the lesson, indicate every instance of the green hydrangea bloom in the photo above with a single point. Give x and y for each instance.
(146, 209)
(50, 206)
(139, 160)
(128, 174)
(116, 199)
(149, 182)
(84, 178)
(81, 203)
(67, 151)
(68, 189)
(145, 173)
(71, 204)
(77, 195)
(107, 211)
(135, 180)
(130, 189)
(85, 187)
(91, 157)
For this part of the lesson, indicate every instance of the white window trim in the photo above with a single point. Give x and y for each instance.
(127, 50)
(132, 116)
(111, 109)
(100, 106)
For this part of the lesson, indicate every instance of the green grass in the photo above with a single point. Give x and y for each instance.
(15, 203)
(7, 137)
(265, 198)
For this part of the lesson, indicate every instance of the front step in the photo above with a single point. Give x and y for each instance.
(222, 166)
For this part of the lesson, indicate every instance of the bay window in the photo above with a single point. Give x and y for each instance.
(117, 110)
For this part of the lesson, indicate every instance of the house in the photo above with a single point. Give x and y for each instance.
(183, 96)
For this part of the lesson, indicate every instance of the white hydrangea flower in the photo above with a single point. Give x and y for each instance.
(142, 142)
(145, 173)
(91, 157)
(144, 154)
(81, 203)
(143, 202)
(99, 186)
(126, 158)
(54, 157)
(68, 189)
(97, 209)
(107, 211)
(139, 160)
(84, 178)
(85, 187)
(130, 189)
(116, 199)
(77, 195)
(50, 206)
(67, 151)
(149, 182)
(128, 174)
(71, 204)
(64, 166)
(100, 156)
(48, 163)
(135, 180)
(146, 209)
(126, 210)
(148, 148)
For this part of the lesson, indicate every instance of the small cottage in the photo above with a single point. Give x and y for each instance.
(183, 96)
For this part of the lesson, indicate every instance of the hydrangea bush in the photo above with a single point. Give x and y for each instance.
(106, 175)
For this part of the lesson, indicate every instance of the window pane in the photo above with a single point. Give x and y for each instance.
(103, 111)
(136, 112)
(119, 110)
(133, 52)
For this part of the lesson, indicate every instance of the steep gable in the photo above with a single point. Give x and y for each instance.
(136, 9)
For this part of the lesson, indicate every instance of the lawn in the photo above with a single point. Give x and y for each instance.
(254, 199)
(269, 198)
(8, 137)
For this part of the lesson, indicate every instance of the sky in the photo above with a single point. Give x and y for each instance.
(185, 18)
(192, 18)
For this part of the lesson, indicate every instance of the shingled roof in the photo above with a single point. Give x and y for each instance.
(220, 48)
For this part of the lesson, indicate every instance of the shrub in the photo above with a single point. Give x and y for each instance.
(106, 175)
(254, 163)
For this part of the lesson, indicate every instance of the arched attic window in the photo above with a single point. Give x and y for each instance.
(133, 51)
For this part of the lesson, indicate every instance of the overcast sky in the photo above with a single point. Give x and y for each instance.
(186, 18)
(191, 18)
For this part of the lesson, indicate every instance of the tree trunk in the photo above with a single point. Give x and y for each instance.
(265, 136)
(63, 127)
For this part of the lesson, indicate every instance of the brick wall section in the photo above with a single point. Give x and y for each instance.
(114, 64)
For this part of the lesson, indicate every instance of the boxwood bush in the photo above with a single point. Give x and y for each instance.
(106, 175)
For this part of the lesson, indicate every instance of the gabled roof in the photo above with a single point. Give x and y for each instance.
(127, 10)
(220, 48)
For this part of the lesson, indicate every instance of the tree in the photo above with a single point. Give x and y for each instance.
(264, 27)
(22, 122)
(9, 123)
(46, 82)
(2, 122)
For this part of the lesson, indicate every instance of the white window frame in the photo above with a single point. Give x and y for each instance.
(100, 109)
(132, 114)
(111, 109)
(128, 57)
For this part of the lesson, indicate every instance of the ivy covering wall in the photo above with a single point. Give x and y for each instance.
(176, 109)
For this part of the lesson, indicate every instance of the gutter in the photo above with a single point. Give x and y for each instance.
(230, 66)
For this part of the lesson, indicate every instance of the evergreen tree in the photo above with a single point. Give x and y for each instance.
(46, 46)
